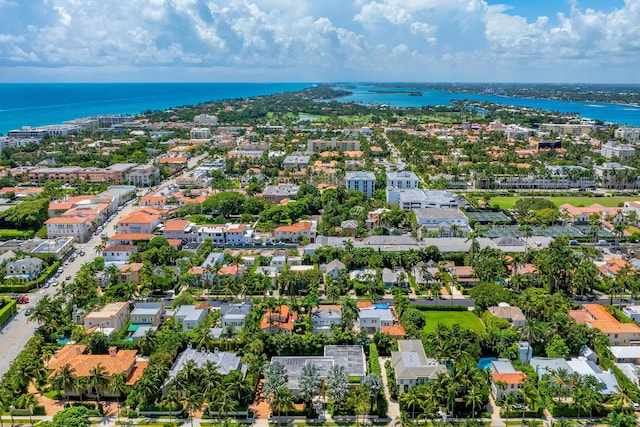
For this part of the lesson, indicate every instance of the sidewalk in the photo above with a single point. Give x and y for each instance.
(394, 408)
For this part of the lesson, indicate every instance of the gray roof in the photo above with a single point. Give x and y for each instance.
(410, 361)
(225, 362)
(349, 223)
(439, 213)
(351, 357)
(147, 308)
(29, 262)
(189, 312)
(235, 311)
(142, 331)
(389, 240)
(384, 314)
(333, 264)
(213, 258)
(544, 365)
(402, 175)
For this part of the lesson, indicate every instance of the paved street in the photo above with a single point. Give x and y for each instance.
(16, 333)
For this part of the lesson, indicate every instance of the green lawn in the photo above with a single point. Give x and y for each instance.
(612, 202)
(466, 319)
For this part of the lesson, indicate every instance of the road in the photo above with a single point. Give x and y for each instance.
(16, 333)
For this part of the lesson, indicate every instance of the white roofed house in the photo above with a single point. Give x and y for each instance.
(411, 365)
(190, 316)
(447, 222)
(372, 319)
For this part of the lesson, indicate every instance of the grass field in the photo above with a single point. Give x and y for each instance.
(466, 319)
(611, 202)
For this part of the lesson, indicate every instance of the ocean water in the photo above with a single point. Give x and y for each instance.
(615, 113)
(53, 103)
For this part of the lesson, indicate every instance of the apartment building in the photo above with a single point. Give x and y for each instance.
(615, 150)
(364, 182)
(333, 144)
(143, 176)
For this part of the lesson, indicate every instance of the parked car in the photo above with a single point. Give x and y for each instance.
(27, 312)
(67, 278)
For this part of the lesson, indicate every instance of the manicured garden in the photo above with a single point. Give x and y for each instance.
(509, 202)
(465, 319)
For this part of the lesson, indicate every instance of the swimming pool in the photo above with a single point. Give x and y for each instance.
(485, 362)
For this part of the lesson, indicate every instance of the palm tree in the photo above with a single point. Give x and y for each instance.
(282, 401)
(98, 380)
(171, 397)
(192, 401)
(119, 387)
(350, 313)
(226, 402)
(67, 379)
(474, 397)
(411, 399)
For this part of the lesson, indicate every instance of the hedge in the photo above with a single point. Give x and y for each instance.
(374, 362)
(7, 311)
(37, 410)
(441, 307)
(26, 287)
(8, 234)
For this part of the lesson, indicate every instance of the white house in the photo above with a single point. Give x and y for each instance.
(190, 316)
(411, 365)
(505, 379)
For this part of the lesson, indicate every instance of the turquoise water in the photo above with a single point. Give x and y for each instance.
(615, 113)
(485, 362)
(53, 103)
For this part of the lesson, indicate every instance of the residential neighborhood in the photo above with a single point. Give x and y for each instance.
(388, 271)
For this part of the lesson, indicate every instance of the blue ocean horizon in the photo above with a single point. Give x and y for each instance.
(37, 104)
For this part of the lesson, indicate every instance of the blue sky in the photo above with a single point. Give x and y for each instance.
(320, 40)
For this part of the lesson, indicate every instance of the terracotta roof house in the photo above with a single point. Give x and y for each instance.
(505, 379)
(116, 362)
(77, 227)
(144, 220)
(295, 232)
(596, 316)
(130, 272)
(280, 320)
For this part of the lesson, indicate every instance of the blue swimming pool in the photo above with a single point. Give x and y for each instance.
(485, 362)
(382, 306)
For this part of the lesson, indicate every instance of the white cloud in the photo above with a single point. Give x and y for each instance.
(330, 39)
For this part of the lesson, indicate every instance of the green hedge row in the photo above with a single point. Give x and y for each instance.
(7, 311)
(441, 307)
(8, 234)
(374, 362)
(37, 410)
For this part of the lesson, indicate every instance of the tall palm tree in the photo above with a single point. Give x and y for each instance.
(118, 386)
(67, 379)
(98, 380)
(474, 397)
(282, 401)
(191, 402)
